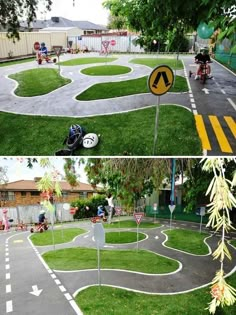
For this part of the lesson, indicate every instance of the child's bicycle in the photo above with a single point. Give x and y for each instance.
(203, 71)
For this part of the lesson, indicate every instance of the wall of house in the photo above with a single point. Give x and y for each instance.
(30, 199)
(25, 46)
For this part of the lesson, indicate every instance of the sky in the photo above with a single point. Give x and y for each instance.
(83, 10)
(17, 169)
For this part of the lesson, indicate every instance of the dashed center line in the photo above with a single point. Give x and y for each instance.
(8, 288)
(9, 307)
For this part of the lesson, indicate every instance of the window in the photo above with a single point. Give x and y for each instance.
(35, 193)
(83, 194)
(23, 193)
(11, 195)
(65, 194)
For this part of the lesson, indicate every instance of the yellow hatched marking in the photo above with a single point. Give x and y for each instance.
(232, 124)
(202, 132)
(222, 140)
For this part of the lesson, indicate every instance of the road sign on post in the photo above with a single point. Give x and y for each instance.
(155, 210)
(36, 46)
(159, 82)
(202, 213)
(172, 208)
(138, 217)
(113, 42)
(99, 236)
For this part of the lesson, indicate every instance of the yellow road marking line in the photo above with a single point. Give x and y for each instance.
(202, 132)
(222, 140)
(18, 241)
(232, 124)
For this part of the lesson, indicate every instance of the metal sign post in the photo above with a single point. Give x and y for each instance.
(159, 82)
(99, 236)
(58, 50)
(202, 213)
(155, 211)
(138, 217)
(172, 208)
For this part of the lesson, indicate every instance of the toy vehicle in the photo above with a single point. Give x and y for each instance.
(39, 227)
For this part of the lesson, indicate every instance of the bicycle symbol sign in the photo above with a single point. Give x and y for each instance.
(160, 80)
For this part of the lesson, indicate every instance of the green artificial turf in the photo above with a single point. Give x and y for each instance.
(38, 81)
(60, 236)
(123, 237)
(188, 241)
(86, 258)
(42, 135)
(114, 301)
(154, 62)
(106, 70)
(87, 60)
(127, 87)
(131, 224)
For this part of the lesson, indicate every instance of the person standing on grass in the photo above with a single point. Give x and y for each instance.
(111, 207)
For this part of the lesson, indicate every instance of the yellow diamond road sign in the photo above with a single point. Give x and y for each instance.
(160, 80)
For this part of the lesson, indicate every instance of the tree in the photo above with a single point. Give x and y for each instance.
(155, 18)
(13, 11)
(130, 179)
(116, 22)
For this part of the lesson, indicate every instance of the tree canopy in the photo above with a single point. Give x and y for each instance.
(155, 18)
(12, 12)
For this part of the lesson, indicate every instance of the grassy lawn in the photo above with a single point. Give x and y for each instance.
(125, 302)
(41, 135)
(123, 88)
(131, 224)
(188, 241)
(38, 81)
(87, 60)
(106, 70)
(123, 237)
(14, 62)
(60, 236)
(154, 62)
(86, 258)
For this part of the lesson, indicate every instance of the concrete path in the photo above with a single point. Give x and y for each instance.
(62, 102)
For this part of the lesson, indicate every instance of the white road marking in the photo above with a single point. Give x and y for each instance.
(223, 91)
(76, 308)
(232, 103)
(85, 236)
(57, 281)
(53, 276)
(195, 112)
(9, 307)
(7, 267)
(8, 288)
(6, 254)
(68, 296)
(7, 259)
(8, 276)
(62, 288)
(192, 100)
(193, 106)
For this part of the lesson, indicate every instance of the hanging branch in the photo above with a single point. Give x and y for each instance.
(221, 203)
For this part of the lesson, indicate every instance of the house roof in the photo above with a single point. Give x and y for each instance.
(30, 185)
(63, 22)
(57, 29)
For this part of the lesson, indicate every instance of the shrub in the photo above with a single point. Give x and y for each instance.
(87, 208)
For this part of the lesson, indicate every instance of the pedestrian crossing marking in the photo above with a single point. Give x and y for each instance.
(218, 131)
(221, 138)
(202, 132)
(232, 124)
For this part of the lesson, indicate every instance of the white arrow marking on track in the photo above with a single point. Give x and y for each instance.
(205, 90)
(36, 291)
